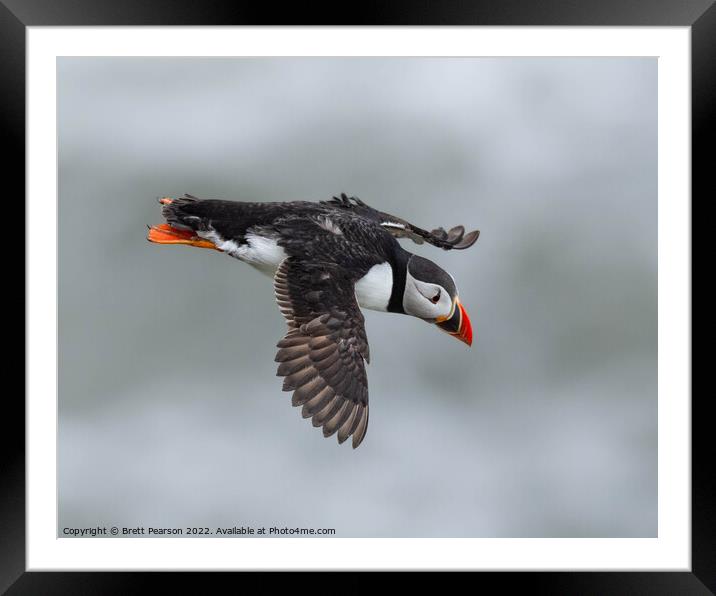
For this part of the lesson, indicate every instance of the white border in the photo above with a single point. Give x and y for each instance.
(671, 550)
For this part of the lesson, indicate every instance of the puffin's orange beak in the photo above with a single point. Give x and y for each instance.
(166, 234)
(458, 325)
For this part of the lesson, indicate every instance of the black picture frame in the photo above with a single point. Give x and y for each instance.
(16, 15)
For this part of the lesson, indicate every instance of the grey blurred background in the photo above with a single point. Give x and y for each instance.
(170, 411)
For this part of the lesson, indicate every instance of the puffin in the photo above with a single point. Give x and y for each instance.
(327, 259)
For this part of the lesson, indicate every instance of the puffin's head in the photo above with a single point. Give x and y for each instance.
(430, 294)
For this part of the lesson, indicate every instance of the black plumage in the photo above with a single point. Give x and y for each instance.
(455, 238)
(322, 355)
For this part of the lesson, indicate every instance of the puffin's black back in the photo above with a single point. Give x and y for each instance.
(315, 232)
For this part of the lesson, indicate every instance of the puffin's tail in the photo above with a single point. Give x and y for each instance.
(178, 230)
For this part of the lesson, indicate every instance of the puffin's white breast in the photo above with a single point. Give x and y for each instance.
(373, 290)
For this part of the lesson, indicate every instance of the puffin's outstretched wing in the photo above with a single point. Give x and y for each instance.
(454, 238)
(322, 355)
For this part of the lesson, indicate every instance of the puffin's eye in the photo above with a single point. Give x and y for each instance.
(435, 298)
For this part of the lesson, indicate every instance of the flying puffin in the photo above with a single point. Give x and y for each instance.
(327, 260)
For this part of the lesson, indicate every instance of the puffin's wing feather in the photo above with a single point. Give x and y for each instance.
(323, 355)
(454, 238)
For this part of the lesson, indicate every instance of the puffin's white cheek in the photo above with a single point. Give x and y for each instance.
(445, 305)
(415, 304)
